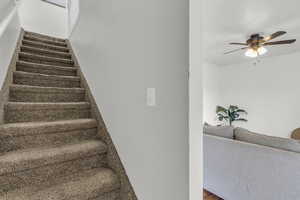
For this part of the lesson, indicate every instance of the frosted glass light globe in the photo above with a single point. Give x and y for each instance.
(262, 50)
(254, 53)
(251, 53)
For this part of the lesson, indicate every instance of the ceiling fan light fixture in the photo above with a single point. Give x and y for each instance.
(251, 53)
(262, 50)
(255, 45)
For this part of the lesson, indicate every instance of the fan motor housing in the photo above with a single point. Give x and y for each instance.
(255, 41)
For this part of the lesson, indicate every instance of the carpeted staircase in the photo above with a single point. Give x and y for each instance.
(49, 146)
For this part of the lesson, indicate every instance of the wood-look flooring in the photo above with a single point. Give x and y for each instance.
(209, 196)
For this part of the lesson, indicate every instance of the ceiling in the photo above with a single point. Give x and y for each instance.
(227, 21)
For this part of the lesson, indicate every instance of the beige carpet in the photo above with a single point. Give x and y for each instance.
(49, 144)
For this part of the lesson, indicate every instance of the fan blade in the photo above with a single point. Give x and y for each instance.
(273, 36)
(228, 52)
(280, 42)
(237, 43)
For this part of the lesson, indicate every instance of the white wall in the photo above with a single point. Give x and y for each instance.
(211, 91)
(41, 17)
(6, 7)
(125, 47)
(73, 15)
(196, 100)
(269, 91)
(9, 32)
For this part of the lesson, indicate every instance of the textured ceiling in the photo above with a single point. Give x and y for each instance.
(227, 21)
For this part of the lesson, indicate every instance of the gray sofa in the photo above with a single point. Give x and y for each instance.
(251, 166)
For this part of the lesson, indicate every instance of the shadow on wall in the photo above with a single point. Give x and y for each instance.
(9, 31)
(73, 15)
(6, 12)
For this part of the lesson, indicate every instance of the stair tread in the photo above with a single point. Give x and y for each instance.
(40, 68)
(50, 105)
(44, 93)
(26, 47)
(57, 48)
(47, 76)
(28, 33)
(37, 157)
(35, 128)
(50, 144)
(40, 65)
(45, 57)
(44, 40)
(32, 112)
(29, 88)
(80, 186)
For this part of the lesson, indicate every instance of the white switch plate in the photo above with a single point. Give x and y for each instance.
(151, 97)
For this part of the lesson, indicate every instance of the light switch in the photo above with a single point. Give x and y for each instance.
(151, 97)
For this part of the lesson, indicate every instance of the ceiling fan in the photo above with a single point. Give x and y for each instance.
(255, 45)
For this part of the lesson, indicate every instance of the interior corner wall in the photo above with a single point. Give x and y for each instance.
(41, 17)
(73, 15)
(211, 90)
(9, 33)
(269, 91)
(125, 47)
(196, 53)
(6, 7)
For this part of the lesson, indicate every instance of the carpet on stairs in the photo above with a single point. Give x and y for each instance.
(49, 146)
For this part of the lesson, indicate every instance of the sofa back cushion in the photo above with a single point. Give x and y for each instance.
(265, 140)
(221, 131)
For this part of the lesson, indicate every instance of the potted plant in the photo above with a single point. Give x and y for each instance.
(230, 114)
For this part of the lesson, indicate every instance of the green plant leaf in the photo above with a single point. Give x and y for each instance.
(233, 108)
(231, 114)
(236, 115)
(241, 111)
(241, 119)
(221, 109)
(220, 117)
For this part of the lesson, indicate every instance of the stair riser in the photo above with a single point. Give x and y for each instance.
(19, 96)
(36, 176)
(61, 160)
(33, 115)
(45, 82)
(60, 44)
(44, 53)
(46, 61)
(115, 195)
(29, 34)
(44, 46)
(45, 71)
(8, 144)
